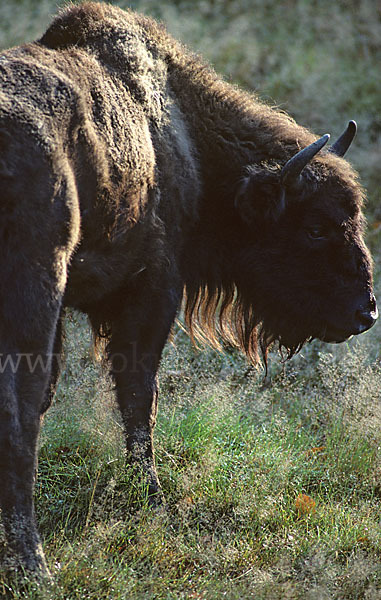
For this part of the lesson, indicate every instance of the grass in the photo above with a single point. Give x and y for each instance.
(233, 456)
(273, 486)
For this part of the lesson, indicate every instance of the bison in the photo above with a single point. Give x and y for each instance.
(131, 177)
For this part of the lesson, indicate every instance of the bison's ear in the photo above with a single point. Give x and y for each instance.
(259, 197)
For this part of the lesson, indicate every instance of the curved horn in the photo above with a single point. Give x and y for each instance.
(293, 167)
(344, 141)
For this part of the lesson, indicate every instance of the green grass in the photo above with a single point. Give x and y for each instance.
(233, 456)
(234, 451)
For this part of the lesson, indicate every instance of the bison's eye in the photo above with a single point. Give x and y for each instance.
(316, 233)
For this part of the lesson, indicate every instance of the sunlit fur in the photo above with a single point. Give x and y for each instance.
(230, 129)
(130, 172)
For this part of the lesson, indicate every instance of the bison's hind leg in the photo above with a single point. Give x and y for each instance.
(24, 381)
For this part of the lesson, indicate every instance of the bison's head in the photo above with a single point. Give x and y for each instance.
(303, 268)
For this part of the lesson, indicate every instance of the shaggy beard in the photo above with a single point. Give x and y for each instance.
(221, 313)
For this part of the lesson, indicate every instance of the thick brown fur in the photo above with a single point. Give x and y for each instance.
(131, 173)
(229, 127)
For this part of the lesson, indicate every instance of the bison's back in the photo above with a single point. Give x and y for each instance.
(120, 44)
(132, 104)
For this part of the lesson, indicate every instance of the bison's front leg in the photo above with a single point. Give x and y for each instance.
(135, 348)
(137, 398)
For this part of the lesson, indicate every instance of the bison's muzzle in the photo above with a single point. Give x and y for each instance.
(365, 314)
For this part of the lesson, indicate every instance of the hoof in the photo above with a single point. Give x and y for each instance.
(32, 567)
(156, 498)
